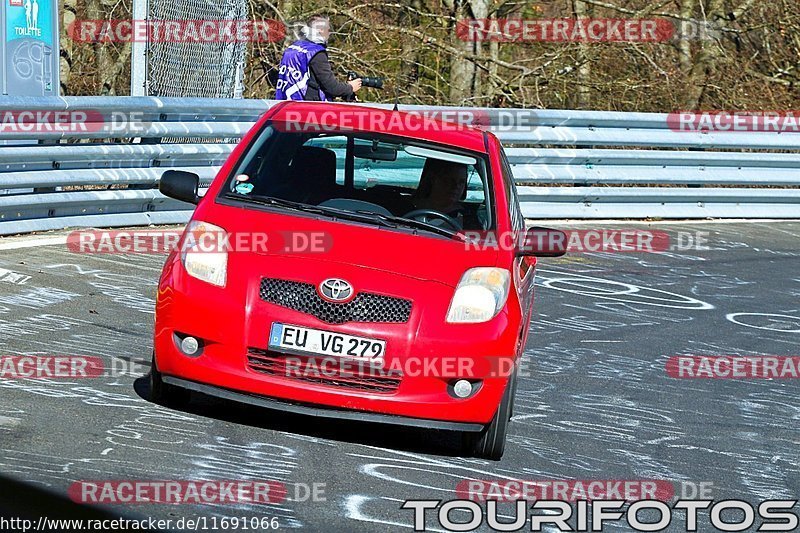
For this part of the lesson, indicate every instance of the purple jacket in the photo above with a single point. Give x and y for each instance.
(293, 73)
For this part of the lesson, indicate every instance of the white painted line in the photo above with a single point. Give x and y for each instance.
(7, 421)
(17, 242)
(33, 243)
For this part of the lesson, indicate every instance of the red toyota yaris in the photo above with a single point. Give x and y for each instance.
(354, 263)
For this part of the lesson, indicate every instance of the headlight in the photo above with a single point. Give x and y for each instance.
(204, 252)
(480, 295)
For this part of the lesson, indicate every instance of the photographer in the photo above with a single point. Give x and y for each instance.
(305, 72)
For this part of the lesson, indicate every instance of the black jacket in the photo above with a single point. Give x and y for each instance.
(321, 77)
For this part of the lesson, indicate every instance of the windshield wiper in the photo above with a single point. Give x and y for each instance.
(279, 202)
(417, 224)
(368, 217)
(307, 208)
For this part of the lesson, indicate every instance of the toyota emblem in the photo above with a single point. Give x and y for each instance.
(335, 290)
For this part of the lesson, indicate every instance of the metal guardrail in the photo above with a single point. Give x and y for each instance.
(568, 164)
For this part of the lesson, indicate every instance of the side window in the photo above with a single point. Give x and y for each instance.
(338, 144)
(517, 219)
(475, 190)
(404, 171)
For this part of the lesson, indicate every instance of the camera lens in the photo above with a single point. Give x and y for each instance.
(375, 83)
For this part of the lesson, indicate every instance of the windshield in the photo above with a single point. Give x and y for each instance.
(385, 178)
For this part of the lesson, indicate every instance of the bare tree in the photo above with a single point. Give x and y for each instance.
(725, 53)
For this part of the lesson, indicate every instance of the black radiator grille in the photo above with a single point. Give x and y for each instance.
(365, 307)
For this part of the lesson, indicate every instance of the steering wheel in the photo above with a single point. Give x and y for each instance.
(427, 215)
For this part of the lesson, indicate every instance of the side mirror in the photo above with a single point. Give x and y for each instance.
(543, 242)
(180, 185)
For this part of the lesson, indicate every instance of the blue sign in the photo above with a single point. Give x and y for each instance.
(32, 19)
(30, 47)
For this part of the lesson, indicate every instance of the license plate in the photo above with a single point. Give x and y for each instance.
(317, 342)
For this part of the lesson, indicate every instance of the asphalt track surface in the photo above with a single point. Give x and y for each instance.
(596, 405)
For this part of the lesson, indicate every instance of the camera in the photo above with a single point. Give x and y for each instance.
(366, 81)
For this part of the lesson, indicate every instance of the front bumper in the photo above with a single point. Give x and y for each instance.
(224, 367)
(230, 331)
(311, 410)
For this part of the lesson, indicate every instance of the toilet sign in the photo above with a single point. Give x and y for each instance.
(29, 47)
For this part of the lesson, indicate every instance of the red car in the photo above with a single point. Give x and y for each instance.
(363, 274)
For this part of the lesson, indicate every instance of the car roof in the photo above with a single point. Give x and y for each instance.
(419, 125)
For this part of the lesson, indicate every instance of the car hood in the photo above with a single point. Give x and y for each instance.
(307, 242)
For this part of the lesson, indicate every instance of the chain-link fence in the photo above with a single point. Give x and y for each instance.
(196, 69)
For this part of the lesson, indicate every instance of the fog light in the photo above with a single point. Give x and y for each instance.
(462, 388)
(189, 345)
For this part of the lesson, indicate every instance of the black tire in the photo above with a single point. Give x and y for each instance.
(513, 380)
(491, 442)
(164, 393)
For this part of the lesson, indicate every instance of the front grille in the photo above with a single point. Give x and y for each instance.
(353, 375)
(365, 307)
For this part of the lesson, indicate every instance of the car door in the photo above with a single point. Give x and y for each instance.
(524, 267)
